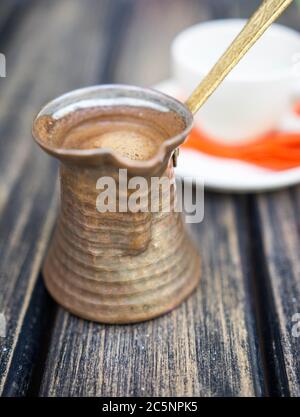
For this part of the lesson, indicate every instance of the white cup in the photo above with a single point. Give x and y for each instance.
(257, 93)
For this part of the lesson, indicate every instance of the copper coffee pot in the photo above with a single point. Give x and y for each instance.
(127, 267)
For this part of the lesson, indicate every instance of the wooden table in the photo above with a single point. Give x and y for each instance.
(233, 337)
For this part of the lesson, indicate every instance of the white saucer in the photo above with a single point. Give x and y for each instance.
(228, 174)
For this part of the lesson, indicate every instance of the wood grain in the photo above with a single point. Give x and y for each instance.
(145, 59)
(205, 347)
(255, 27)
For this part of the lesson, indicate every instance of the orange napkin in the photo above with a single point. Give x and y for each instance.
(277, 150)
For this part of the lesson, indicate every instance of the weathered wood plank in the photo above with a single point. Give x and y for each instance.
(278, 234)
(50, 52)
(158, 22)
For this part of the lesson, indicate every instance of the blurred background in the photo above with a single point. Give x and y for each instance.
(237, 342)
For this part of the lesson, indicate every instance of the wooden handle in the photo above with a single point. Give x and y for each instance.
(269, 11)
